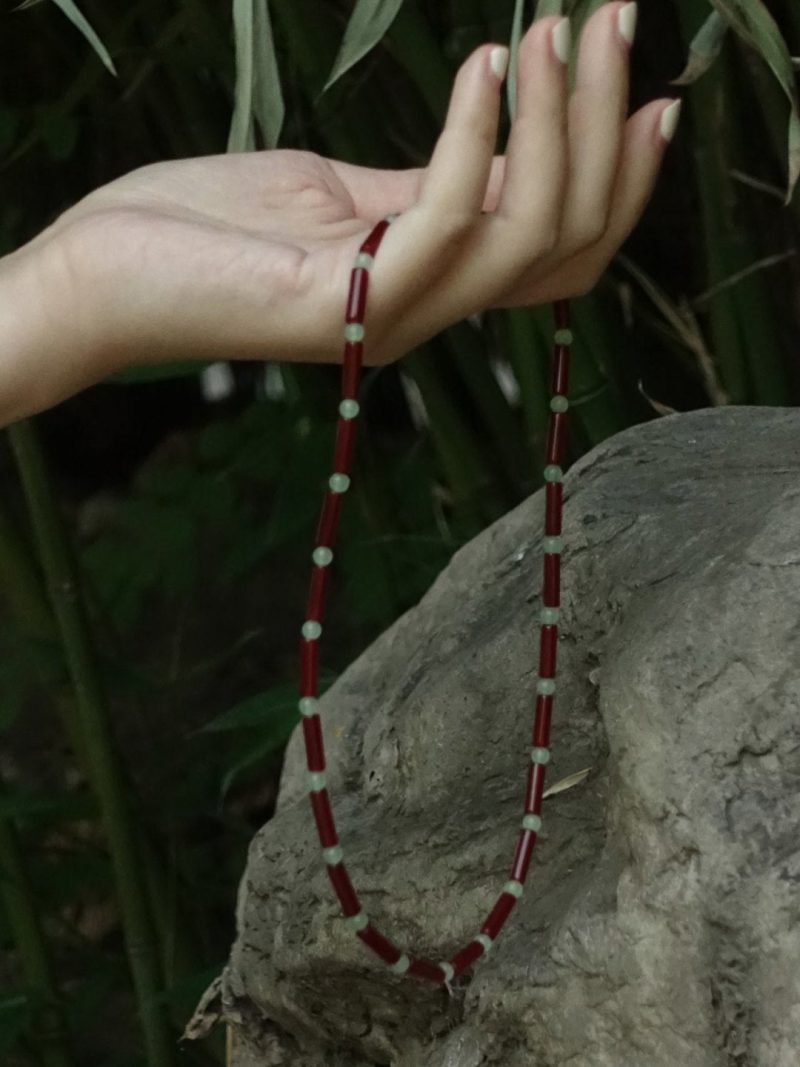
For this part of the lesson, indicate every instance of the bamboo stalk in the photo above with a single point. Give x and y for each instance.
(103, 765)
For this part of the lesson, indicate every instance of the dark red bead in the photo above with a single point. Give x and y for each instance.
(561, 312)
(421, 968)
(370, 246)
(498, 915)
(541, 722)
(553, 492)
(382, 946)
(551, 597)
(315, 605)
(329, 519)
(560, 372)
(323, 816)
(357, 297)
(548, 643)
(522, 856)
(351, 371)
(345, 437)
(312, 732)
(308, 666)
(344, 888)
(556, 432)
(534, 788)
(466, 957)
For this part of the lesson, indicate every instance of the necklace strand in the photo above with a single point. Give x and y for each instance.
(400, 962)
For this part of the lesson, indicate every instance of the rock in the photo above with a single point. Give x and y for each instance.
(660, 923)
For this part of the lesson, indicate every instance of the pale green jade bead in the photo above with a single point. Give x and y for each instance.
(348, 409)
(553, 544)
(563, 337)
(354, 331)
(365, 260)
(449, 973)
(514, 888)
(553, 473)
(546, 686)
(540, 755)
(333, 855)
(401, 966)
(311, 630)
(322, 556)
(532, 822)
(358, 921)
(316, 781)
(549, 616)
(559, 403)
(339, 483)
(485, 940)
(308, 705)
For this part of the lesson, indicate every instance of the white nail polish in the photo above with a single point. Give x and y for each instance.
(498, 60)
(627, 21)
(669, 119)
(562, 40)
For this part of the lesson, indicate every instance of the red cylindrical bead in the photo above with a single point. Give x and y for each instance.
(561, 313)
(556, 432)
(382, 946)
(308, 667)
(344, 888)
(548, 643)
(323, 816)
(329, 519)
(345, 437)
(315, 605)
(498, 915)
(541, 722)
(522, 856)
(534, 789)
(560, 377)
(553, 493)
(351, 370)
(551, 597)
(370, 246)
(466, 957)
(421, 968)
(312, 732)
(357, 297)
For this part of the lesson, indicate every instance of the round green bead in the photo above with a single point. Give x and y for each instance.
(391, 218)
(553, 473)
(564, 337)
(486, 941)
(348, 409)
(546, 686)
(311, 630)
(316, 781)
(332, 856)
(449, 973)
(308, 706)
(339, 483)
(540, 755)
(322, 556)
(549, 616)
(365, 260)
(514, 888)
(532, 822)
(401, 966)
(354, 331)
(358, 921)
(553, 544)
(559, 403)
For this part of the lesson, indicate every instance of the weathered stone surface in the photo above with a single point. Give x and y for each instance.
(661, 919)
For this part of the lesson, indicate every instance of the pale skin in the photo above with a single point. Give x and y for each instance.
(248, 256)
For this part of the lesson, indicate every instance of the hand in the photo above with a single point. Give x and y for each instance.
(248, 256)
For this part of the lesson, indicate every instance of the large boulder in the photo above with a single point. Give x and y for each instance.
(660, 923)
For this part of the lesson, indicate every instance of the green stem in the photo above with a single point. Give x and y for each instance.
(103, 765)
(51, 1031)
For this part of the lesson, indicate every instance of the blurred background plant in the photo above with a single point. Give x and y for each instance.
(155, 532)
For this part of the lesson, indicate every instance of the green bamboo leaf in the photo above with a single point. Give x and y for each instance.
(368, 23)
(754, 24)
(240, 134)
(549, 7)
(268, 105)
(516, 37)
(79, 20)
(704, 49)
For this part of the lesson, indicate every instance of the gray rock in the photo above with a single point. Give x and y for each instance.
(660, 924)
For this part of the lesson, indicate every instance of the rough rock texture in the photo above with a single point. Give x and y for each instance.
(660, 924)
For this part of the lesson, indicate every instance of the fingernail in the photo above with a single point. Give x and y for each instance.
(498, 59)
(627, 21)
(669, 119)
(562, 40)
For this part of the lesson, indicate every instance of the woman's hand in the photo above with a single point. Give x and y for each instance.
(248, 256)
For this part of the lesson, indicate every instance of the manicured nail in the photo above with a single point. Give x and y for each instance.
(669, 119)
(627, 21)
(562, 40)
(498, 59)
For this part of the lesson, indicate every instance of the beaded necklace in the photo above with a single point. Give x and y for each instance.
(398, 961)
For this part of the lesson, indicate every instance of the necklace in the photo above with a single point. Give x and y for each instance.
(400, 962)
